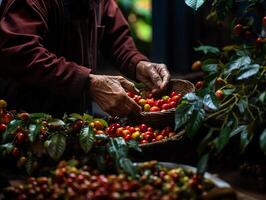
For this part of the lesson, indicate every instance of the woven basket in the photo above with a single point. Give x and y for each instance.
(164, 118)
(163, 142)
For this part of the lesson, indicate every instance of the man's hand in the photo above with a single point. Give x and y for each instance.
(153, 75)
(109, 92)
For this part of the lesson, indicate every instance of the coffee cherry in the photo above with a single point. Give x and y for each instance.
(24, 116)
(154, 109)
(15, 152)
(20, 138)
(3, 104)
(147, 107)
(264, 20)
(8, 117)
(199, 85)
(2, 128)
(196, 66)
(219, 94)
(98, 125)
(238, 29)
(78, 124)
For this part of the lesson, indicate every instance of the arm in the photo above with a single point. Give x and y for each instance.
(23, 56)
(122, 48)
(118, 40)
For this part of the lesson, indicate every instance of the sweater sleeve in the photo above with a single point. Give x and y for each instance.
(120, 44)
(23, 56)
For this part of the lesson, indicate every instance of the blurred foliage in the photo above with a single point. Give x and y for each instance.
(139, 16)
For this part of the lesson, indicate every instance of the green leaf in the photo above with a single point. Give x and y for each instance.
(86, 139)
(117, 148)
(35, 116)
(34, 130)
(228, 92)
(238, 130)
(191, 97)
(195, 122)
(56, 146)
(72, 163)
(128, 167)
(195, 4)
(242, 105)
(6, 147)
(102, 121)
(203, 163)
(262, 97)
(76, 116)
(86, 117)
(133, 144)
(210, 102)
(11, 128)
(244, 139)
(56, 122)
(205, 142)
(248, 71)
(263, 141)
(210, 68)
(29, 164)
(223, 139)
(182, 114)
(207, 49)
(236, 64)
(102, 137)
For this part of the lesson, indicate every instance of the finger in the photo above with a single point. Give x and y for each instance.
(128, 86)
(166, 78)
(155, 76)
(133, 106)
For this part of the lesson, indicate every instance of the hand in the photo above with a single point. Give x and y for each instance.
(109, 92)
(153, 75)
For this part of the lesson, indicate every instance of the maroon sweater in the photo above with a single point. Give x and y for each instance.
(48, 48)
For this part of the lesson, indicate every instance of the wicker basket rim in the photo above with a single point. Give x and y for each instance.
(178, 136)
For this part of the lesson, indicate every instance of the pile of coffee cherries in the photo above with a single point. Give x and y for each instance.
(142, 133)
(153, 182)
(151, 104)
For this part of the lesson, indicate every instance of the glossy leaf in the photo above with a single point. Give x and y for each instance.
(203, 163)
(263, 141)
(87, 117)
(34, 130)
(238, 130)
(248, 71)
(223, 139)
(117, 148)
(210, 68)
(86, 139)
(56, 122)
(127, 165)
(102, 137)
(236, 64)
(242, 105)
(56, 146)
(195, 4)
(195, 122)
(133, 144)
(210, 102)
(8, 147)
(205, 142)
(76, 116)
(228, 91)
(244, 139)
(11, 128)
(207, 49)
(262, 97)
(182, 115)
(34, 116)
(191, 97)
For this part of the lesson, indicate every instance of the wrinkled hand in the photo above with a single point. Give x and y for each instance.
(153, 75)
(109, 92)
